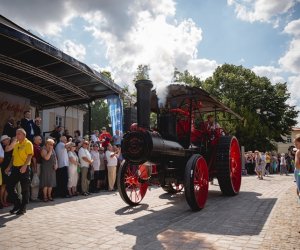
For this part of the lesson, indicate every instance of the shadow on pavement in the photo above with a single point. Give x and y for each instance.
(5, 216)
(244, 214)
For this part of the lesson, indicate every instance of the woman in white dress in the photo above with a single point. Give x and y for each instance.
(72, 169)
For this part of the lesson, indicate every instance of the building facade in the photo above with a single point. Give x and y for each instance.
(283, 147)
(71, 118)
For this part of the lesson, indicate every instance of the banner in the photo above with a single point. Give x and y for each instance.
(116, 113)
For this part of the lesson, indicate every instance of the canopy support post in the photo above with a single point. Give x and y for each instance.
(90, 118)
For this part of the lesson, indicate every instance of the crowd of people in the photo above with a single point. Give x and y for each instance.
(34, 168)
(266, 163)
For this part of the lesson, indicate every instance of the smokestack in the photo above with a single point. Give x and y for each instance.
(143, 88)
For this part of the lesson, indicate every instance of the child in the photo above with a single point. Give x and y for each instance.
(297, 165)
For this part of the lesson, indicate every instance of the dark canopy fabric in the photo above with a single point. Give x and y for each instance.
(33, 68)
(180, 96)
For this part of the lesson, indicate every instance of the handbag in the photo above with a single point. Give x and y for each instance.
(35, 180)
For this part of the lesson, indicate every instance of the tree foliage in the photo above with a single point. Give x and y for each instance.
(263, 105)
(142, 72)
(99, 116)
(187, 78)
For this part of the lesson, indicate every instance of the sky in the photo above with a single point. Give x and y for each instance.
(193, 35)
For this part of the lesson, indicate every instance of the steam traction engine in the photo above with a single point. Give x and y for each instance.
(182, 152)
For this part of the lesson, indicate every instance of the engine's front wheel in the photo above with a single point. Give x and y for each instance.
(196, 182)
(132, 182)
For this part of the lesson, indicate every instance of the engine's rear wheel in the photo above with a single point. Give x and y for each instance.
(196, 182)
(229, 165)
(132, 182)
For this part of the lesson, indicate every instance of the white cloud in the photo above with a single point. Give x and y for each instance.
(274, 74)
(73, 49)
(293, 28)
(261, 10)
(156, 39)
(291, 60)
(202, 68)
(294, 87)
(133, 33)
(31, 14)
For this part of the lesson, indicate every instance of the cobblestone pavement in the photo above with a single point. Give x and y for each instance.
(265, 215)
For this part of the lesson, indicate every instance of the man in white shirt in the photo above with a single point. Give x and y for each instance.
(85, 159)
(112, 162)
(95, 185)
(62, 171)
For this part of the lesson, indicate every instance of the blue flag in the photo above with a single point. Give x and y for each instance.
(116, 113)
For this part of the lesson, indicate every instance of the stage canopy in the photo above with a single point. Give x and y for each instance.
(33, 68)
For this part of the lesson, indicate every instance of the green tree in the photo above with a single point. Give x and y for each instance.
(99, 116)
(187, 78)
(263, 105)
(142, 72)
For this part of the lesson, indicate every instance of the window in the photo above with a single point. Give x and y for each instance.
(58, 121)
(289, 139)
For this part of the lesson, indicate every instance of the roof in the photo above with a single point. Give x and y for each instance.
(179, 96)
(33, 68)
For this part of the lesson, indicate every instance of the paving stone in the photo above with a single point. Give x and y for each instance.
(262, 216)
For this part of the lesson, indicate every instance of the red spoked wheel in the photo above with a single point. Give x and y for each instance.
(133, 182)
(173, 188)
(229, 165)
(196, 182)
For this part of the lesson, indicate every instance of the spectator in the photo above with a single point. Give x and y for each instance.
(77, 137)
(9, 128)
(96, 167)
(95, 137)
(297, 164)
(72, 169)
(37, 126)
(274, 163)
(48, 168)
(62, 171)
(19, 167)
(8, 146)
(258, 165)
(102, 171)
(1, 160)
(112, 162)
(248, 162)
(18, 125)
(28, 125)
(268, 163)
(36, 165)
(67, 134)
(56, 134)
(283, 167)
(85, 160)
(105, 137)
(117, 138)
(263, 163)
